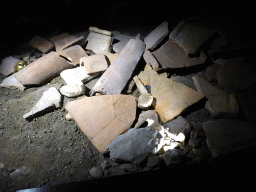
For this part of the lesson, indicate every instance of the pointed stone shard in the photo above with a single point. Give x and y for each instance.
(171, 97)
(7, 65)
(73, 54)
(119, 72)
(50, 99)
(190, 36)
(156, 36)
(41, 44)
(99, 41)
(219, 104)
(94, 64)
(228, 135)
(170, 55)
(42, 70)
(136, 142)
(103, 118)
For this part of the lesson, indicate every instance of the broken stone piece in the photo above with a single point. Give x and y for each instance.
(103, 118)
(73, 54)
(170, 55)
(172, 156)
(219, 104)
(156, 36)
(41, 44)
(190, 36)
(94, 64)
(145, 101)
(172, 97)
(122, 41)
(150, 59)
(99, 41)
(73, 90)
(147, 74)
(7, 65)
(42, 70)
(178, 125)
(61, 40)
(111, 57)
(140, 86)
(119, 72)
(11, 81)
(51, 99)
(228, 135)
(78, 41)
(211, 72)
(185, 81)
(150, 114)
(76, 76)
(136, 142)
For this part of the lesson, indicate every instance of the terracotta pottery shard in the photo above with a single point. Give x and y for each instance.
(61, 40)
(171, 97)
(42, 70)
(171, 55)
(73, 54)
(7, 65)
(79, 41)
(119, 72)
(103, 118)
(156, 36)
(228, 135)
(190, 36)
(41, 44)
(150, 59)
(94, 63)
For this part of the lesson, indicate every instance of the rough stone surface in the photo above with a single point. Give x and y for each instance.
(136, 142)
(72, 90)
(103, 118)
(51, 98)
(228, 135)
(12, 82)
(7, 65)
(156, 36)
(94, 64)
(211, 72)
(41, 44)
(219, 104)
(96, 172)
(172, 156)
(154, 161)
(178, 125)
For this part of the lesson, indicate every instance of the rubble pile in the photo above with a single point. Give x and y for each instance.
(129, 124)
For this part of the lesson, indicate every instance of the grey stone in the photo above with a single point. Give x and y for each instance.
(136, 142)
(122, 41)
(172, 156)
(129, 167)
(140, 159)
(154, 161)
(194, 142)
(18, 172)
(96, 172)
(51, 98)
(178, 125)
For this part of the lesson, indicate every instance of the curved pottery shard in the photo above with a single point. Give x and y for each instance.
(42, 70)
(103, 118)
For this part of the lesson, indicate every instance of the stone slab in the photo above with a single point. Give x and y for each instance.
(94, 63)
(178, 125)
(61, 40)
(170, 55)
(150, 59)
(41, 44)
(228, 135)
(156, 36)
(122, 41)
(103, 118)
(7, 65)
(115, 78)
(73, 54)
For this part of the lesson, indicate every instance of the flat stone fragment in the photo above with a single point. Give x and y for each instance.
(119, 72)
(99, 41)
(103, 118)
(122, 41)
(170, 55)
(78, 41)
(228, 135)
(94, 64)
(7, 65)
(136, 142)
(178, 125)
(61, 40)
(42, 70)
(150, 59)
(171, 97)
(73, 54)
(41, 44)
(50, 99)
(219, 104)
(190, 36)
(156, 36)
(185, 81)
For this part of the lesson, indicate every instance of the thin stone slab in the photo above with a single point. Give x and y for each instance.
(228, 135)
(119, 72)
(190, 36)
(170, 55)
(7, 65)
(122, 41)
(156, 36)
(94, 63)
(74, 54)
(150, 59)
(103, 118)
(41, 44)
(61, 40)
(219, 104)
